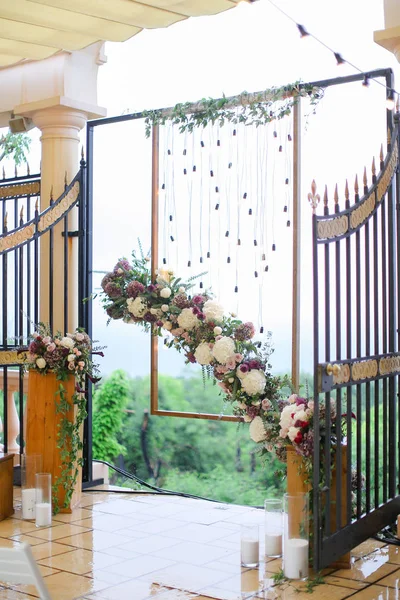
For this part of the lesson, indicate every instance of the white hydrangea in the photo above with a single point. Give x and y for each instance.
(188, 320)
(257, 430)
(203, 354)
(213, 310)
(40, 363)
(254, 382)
(223, 349)
(293, 431)
(286, 419)
(137, 306)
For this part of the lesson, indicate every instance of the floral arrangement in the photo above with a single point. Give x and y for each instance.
(65, 356)
(197, 326)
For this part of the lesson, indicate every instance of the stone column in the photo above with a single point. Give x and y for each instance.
(60, 127)
(389, 37)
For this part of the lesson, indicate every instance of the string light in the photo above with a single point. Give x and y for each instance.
(339, 58)
(390, 104)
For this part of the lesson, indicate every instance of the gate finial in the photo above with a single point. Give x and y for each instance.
(28, 170)
(313, 198)
(5, 221)
(326, 209)
(365, 180)
(336, 198)
(51, 194)
(37, 205)
(389, 137)
(346, 191)
(381, 157)
(373, 167)
(21, 213)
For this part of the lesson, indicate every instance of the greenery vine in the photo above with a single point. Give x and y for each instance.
(68, 442)
(247, 108)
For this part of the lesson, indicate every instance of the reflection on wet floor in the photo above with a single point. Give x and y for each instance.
(120, 546)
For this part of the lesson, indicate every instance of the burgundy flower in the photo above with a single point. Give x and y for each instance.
(201, 316)
(254, 364)
(115, 312)
(300, 401)
(150, 317)
(113, 290)
(195, 310)
(106, 279)
(181, 301)
(122, 264)
(33, 347)
(151, 287)
(244, 367)
(299, 437)
(245, 331)
(191, 357)
(159, 323)
(134, 288)
(252, 411)
(198, 300)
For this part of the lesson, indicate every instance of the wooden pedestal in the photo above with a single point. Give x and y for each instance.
(42, 427)
(296, 484)
(6, 486)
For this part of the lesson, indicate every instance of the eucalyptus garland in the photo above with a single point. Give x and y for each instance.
(256, 109)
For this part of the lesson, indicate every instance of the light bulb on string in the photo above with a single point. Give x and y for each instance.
(365, 82)
(390, 104)
(303, 32)
(339, 58)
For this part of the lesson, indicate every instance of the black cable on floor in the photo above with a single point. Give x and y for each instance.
(156, 490)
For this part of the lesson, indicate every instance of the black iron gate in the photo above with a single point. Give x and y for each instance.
(356, 259)
(24, 232)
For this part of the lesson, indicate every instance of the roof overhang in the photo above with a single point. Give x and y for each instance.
(38, 29)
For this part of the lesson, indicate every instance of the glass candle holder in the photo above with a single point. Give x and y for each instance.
(43, 499)
(296, 520)
(30, 465)
(273, 527)
(249, 546)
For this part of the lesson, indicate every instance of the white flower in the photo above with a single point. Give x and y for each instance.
(120, 271)
(165, 292)
(246, 418)
(153, 311)
(286, 420)
(40, 363)
(254, 382)
(217, 330)
(188, 320)
(79, 337)
(167, 325)
(67, 342)
(137, 306)
(293, 398)
(213, 310)
(181, 290)
(46, 340)
(293, 431)
(70, 357)
(231, 379)
(240, 373)
(223, 349)
(203, 354)
(257, 430)
(241, 405)
(301, 415)
(311, 404)
(165, 307)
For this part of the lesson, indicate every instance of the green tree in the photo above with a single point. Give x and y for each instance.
(16, 146)
(109, 402)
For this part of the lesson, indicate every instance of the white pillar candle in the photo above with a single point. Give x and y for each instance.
(249, 551)
(295, 558)
(273, 544)
(28, 496)
(43, 514)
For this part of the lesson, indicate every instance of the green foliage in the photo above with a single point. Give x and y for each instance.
(250, 109)
(15, 145)
(208, 458)
(109, 401)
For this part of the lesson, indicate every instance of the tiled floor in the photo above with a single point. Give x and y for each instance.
(125, 546)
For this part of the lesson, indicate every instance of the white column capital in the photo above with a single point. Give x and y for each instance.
(389, 39)
(59, 122)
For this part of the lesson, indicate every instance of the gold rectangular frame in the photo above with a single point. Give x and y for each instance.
(154, 409)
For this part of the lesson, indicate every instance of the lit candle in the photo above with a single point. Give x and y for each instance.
(43, 514)
(28, 503)
(295, 558)
(273, 544)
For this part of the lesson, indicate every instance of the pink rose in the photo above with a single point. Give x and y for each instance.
(51, 347)
(71, 366)
(238, 357)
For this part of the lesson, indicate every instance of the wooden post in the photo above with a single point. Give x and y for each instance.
(42, 427)
(296, 246)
